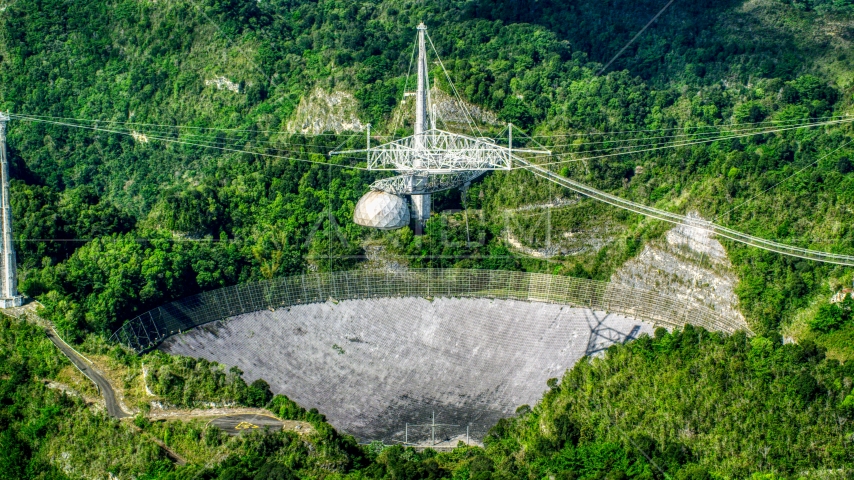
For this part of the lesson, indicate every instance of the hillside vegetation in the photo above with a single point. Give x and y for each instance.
(687, 405)
(162, 165)
(143, 222)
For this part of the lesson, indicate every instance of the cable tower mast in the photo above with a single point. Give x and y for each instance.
(8, 263)
(420, 203)
(429, 161)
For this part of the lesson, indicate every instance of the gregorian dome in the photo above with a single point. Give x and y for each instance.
(377, 209)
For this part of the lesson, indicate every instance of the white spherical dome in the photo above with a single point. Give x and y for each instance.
(381, 210)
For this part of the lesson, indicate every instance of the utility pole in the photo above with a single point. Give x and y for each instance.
(420, 203)
(9, 285)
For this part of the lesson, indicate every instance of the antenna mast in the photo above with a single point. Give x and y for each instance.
(420, 203)
(8, 263)
(430, 160)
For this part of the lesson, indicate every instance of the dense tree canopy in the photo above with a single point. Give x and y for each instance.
(686, 405)
(181, 175)
(182, 218)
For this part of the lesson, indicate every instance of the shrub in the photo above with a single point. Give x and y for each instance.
(829, 318)
(259, 393)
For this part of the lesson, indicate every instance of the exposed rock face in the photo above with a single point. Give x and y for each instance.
(223, 83)
(378, 258)
(322, 111)
(841, 295)
(528, 230)
(450, 110)
(687, 264)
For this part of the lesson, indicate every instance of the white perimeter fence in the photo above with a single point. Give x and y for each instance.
(149, 329)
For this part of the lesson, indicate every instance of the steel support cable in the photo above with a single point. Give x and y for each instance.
(721, 132)
(678, 219)
(845, 144)
(670, 129)
(677, 142)
(637, 35)
(399, 122)
(204, 141)
(206, 145)
(686, 144)
(190, 127)
(234, 141)
(180, 142)
(469, 118)
(192, 136)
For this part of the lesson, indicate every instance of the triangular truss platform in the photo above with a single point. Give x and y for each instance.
(436, 160)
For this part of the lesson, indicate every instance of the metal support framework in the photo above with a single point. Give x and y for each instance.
(9, 288)
(420, 203)
(432, 160)
(421, 101)
(432, 426)
(151, 328)
(424, 183)
(431, 153)
(438, 151)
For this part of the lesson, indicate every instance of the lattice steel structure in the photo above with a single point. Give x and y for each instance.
(409, 184)
(149, 329)
(439, 152)
(8, 261)
(432, 160)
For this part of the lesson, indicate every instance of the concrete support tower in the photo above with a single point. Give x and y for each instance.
(8, 264)
(421, 203)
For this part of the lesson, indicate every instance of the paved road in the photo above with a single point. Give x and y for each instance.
(104, 386)
(237, 424)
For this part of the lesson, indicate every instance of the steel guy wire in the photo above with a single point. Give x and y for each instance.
(453, 87)
(399, 121)
(784, 180)
(227, 39)
(300, 134)
(717, 132)
(189, 127)
(635, 37)
(235, 150)
(731, 135)
(617, 141)
(684, 127)
(164, 131)
(170, 140)
(679, 219)
(212, 144)
(699, 142)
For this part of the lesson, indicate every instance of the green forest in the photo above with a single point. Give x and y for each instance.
(684, 405)
(138, 180)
